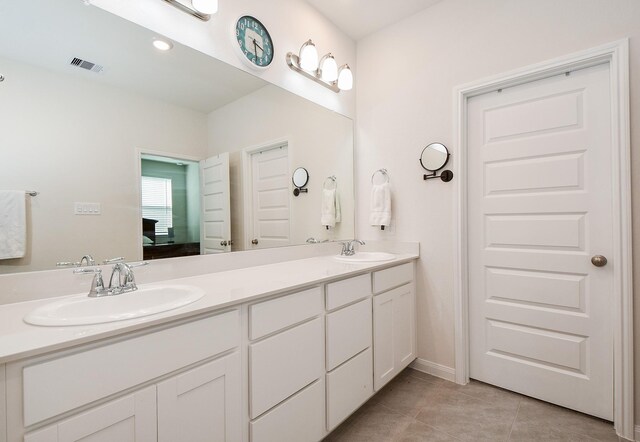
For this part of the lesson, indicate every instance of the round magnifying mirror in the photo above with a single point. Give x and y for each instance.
(434, 157)
(300, 177)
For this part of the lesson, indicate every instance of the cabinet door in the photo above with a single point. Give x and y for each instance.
(393, 333)
(202, 404)
(128, 419)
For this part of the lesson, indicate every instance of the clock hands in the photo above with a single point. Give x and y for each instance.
(256, 46)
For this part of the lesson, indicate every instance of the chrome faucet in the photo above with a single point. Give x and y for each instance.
(88, 259)
(125, 281)
(348, 247)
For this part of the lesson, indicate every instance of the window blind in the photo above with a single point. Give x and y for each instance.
(157, 203)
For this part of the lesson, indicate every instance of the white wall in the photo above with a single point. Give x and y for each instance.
(319, 140)
(407, 73)
(290, 23)
(82, 148)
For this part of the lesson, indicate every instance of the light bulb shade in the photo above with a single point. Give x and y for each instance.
(345, 78)
(309, 56)
(329, 68)
(205, 6)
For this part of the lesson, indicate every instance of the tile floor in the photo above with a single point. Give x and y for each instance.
(418, 407)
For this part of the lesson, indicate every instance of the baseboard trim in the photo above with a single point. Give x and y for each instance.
(437, 370)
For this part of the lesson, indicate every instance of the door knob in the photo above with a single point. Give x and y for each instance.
(223, 243)
(599, 261)
(230, 242)
(254, 242)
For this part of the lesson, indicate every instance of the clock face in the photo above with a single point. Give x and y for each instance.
(254, 41)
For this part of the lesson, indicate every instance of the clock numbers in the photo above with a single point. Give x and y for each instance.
(254, 41)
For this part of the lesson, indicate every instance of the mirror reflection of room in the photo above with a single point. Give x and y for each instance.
(177, 106)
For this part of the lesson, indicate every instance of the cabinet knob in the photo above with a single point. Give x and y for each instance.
(599, 261)
(254, 242)
(223, 243)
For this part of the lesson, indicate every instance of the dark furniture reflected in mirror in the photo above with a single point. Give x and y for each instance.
(433, 158)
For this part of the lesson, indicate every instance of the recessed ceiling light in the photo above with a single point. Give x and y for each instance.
(162, 45)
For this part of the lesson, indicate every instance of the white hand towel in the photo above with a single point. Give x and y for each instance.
(330, 211)
(380, 205)
(13, 224)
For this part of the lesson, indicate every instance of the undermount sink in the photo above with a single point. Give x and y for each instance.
(83, 310)
(366, 257)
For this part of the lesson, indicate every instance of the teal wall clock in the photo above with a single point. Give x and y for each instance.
(254, 42)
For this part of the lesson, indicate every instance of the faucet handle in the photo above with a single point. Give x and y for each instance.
(113, 260)
(138, 264)
(67, 264)
(88, 270)
(97, 285)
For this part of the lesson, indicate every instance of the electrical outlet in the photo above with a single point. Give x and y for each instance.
(86, 209)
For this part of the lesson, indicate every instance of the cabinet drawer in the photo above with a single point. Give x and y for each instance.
(348, 387)
(348, 332)
(300, 418)
(59, 385)
(394, 277)
(344, 292)
(273, 315)
(283, 364)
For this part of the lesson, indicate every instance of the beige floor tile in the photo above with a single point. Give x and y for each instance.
(560, 419)
(419, 432)
(445, 411)
(376, 424)
(530, 432)
(408, 394)
(468, 418)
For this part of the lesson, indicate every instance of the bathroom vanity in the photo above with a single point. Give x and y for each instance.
(279, 352)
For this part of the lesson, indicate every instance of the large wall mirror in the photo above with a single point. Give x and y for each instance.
(147, 154)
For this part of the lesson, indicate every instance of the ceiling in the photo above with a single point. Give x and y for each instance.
(49, 34)
(359, 18)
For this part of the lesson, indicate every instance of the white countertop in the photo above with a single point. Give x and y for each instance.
(19, 340)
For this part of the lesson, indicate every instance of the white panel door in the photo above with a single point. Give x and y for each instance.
(539, 209)
(215, 207)
(203, 404)
(128, 419)
(270, 198)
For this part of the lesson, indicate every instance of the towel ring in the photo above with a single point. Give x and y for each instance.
(383, 172)
(332, 179)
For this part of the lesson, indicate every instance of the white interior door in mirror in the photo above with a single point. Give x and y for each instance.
(270, 194)
(215, 236)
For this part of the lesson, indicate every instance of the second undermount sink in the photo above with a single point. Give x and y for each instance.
(366, 257)
(83, 310)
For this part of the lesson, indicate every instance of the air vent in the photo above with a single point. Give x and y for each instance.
(84, 64)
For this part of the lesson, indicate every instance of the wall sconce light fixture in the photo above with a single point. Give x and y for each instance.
(324, 71)
(200, 9)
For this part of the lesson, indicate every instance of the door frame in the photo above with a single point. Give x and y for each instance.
(616, 56)
(138, 152)
(247, 183)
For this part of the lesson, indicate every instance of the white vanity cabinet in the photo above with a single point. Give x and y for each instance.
(286, 368)
(394, 319)
(291, 367)
(349, 361)
(179, 382)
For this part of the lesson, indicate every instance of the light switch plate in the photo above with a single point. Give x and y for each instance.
(86, 209)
